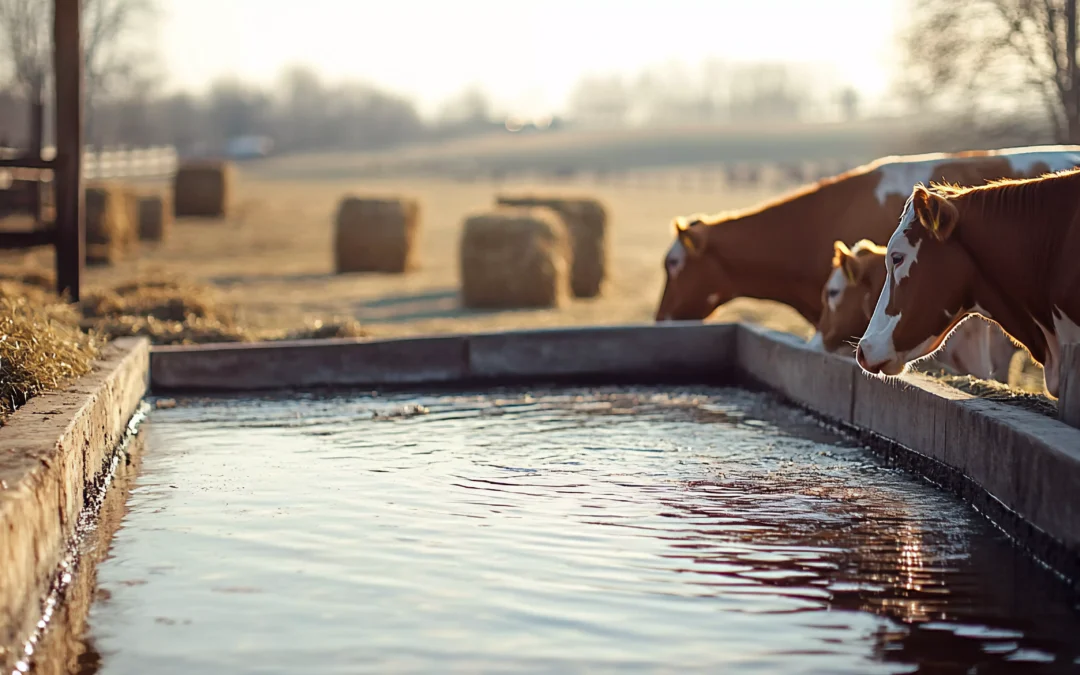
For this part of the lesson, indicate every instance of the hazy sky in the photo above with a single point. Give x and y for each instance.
(526, 55)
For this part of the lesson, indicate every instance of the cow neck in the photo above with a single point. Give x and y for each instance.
(779, 251)
(1014, 235)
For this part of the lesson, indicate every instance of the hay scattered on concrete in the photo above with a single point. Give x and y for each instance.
(41, 346)
(514, 257)
(1000, 392)
(201, 189)
(375, 235)
(110, 234)
(586, 222)
(154, 215)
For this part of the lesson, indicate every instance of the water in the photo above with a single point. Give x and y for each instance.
(603, 530)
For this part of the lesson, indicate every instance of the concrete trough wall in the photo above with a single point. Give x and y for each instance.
(604, 354)
(53, 453)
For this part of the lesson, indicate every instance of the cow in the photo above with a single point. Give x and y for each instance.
(777, 250)
(852, 291)
(1007, 251)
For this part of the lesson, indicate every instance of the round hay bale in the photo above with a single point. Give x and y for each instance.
(514, 257)
(586, 222)
(154, 216)
(108, 224)
(375, 235)
(201, 189)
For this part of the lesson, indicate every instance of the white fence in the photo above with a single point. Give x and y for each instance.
(152, 162)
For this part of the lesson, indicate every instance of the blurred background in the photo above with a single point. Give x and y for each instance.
(654, 108)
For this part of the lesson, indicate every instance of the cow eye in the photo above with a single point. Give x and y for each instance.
(833, 292)
(897, 259)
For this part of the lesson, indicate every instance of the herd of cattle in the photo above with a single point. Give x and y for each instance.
(889, 258)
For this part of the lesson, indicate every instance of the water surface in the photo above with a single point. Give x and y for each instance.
(576, 530)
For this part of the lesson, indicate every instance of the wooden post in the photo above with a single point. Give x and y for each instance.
(1069, 385)
(68, 71)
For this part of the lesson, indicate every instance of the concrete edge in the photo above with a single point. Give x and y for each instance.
(660, 352)
(1020, 468)
(53, 452)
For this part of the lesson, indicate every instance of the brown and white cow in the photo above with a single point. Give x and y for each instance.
(852, 291)
(1007, 251)
(777, 250)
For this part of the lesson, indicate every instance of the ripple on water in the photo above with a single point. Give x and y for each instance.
(610, 529)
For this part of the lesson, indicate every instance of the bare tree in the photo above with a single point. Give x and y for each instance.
(996, 61)
(109, 60)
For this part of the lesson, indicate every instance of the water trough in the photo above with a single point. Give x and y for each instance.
(1019, 468)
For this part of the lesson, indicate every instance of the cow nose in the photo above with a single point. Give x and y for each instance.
(860, 358)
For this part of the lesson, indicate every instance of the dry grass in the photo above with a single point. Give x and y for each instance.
(167, 311)
(41, 345)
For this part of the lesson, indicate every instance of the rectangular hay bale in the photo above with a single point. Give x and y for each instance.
(514, 258)
(155, 216)
(109, 230)
(586, 223)
(201, 189)
(376, 235)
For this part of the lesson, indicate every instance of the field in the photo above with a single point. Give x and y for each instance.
(272, 256)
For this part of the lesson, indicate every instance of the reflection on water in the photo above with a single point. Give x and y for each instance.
(601, 530)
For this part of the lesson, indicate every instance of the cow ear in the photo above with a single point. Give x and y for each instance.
(935, 213)
(694, 237)
(843, 258)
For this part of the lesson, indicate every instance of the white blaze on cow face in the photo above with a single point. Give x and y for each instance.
(876, 345)
(834, 288)
(676, 259)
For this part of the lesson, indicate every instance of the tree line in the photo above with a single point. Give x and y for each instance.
(992, 69)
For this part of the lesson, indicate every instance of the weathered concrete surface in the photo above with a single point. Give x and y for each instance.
(51, 451)
(309, 363)
(653, 352)
(676, 350)
(63, 646)
(822, 382)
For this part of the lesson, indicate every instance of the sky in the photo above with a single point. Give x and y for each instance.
(526, 56)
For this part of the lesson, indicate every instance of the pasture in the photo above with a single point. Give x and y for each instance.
(272, 257)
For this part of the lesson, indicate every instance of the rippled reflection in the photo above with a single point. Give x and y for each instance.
(605, 530)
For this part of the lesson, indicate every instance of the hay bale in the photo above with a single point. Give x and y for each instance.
(586, 221)
(514, 257)
(154, 216)
(375, 235)
(201, 189)
(109, 230)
